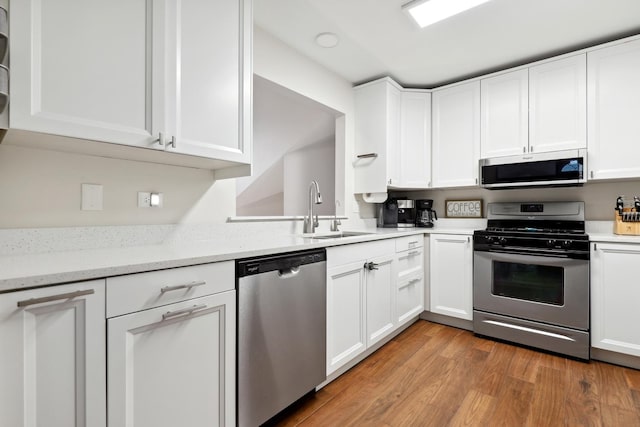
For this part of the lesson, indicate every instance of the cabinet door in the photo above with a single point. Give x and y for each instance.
(558, 105)
(613, 90)
(209, 100)
(52, 356)
(174, 365)
(451, 269)
(346, 332)
(84, 69)
(377, 132)
(380, 298)
(505, 114)
(614, 298)
(456, 135)
(415, 140)
(410, 285)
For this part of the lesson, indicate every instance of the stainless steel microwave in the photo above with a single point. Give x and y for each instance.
(557, 168)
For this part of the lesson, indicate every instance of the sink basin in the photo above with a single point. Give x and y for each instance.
(340, 234)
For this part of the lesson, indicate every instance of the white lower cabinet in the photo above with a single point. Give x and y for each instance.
(52, 356)
(451, 275)
(409, 279)
(360, 299)
(614, 297)
(174, 364)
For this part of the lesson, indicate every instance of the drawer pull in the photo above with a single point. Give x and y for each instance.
(367, 156)
(412, 253)
(187, 286)
(415, 242)
(185, 311)
(68, 295)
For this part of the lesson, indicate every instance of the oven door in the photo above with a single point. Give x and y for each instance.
(546, 289)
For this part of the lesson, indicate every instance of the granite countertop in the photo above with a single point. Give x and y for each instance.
(27, 270)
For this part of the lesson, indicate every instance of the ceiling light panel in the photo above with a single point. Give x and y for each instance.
(427, 12)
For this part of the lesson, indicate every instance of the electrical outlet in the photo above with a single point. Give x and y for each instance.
(144, 199)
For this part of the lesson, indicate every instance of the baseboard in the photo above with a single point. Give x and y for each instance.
(615, 358)
(447, 320)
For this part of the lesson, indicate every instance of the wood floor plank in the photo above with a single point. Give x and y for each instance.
(435, 375)
(613, 387)
(513, 402)
(475, 410)
(582, 407)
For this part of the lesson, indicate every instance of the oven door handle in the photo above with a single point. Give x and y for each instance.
(528, 257)
(542, 252)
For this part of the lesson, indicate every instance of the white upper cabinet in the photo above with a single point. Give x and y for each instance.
(613, 88)
(504, 112)
(209, 71)
(456, 135)
(83, 68)
(393, 137)
(415, 140)
(538, 109)
(129, 71)
(558, 105)
(377, 125)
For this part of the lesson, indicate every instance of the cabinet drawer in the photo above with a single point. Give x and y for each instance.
(409, 242)
(409, 262)
(135, 292)
(346, 254)
(409, 298)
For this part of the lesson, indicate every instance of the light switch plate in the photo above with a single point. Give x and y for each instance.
(91, 197)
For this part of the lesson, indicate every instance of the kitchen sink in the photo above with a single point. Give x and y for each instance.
(340, 234)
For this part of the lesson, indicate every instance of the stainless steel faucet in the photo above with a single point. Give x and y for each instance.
(310, 223)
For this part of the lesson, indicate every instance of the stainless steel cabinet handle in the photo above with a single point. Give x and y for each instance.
(592, 174)
(185, 311)
(68, 295)
(468, 239)
(160, 139)
(370, 266)
(413, 242)
(531, 149)
(185, 286)
(172, 143)
(412, 253)
(476, 180)
(524, 149)
(367, 156)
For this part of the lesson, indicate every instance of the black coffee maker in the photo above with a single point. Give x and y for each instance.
(425, 215)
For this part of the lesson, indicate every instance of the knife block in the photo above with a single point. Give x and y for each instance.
(631, 228)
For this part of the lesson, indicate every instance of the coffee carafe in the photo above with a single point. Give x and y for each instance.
(425, 215)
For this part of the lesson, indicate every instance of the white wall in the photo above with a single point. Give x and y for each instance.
(280, 64)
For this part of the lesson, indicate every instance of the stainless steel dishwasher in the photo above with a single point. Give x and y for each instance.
(281, 332)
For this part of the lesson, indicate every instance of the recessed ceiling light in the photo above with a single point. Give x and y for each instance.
(427, 12)
(327, 40)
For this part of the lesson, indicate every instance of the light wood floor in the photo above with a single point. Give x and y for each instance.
(434, 375)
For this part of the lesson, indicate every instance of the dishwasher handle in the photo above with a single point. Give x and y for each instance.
(287, 273)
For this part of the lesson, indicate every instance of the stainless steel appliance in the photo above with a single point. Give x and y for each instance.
(558, 168)
(406, 213)
(388, 214)
(425, 214)
(281, 332)
(531, 276)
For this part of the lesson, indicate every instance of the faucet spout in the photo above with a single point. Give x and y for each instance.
(310, 223)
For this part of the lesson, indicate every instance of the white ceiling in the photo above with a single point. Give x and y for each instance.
(377, 38)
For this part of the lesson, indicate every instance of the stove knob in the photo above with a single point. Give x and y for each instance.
(490, 239)
(502, 240)
(552, 243)
(566, 244)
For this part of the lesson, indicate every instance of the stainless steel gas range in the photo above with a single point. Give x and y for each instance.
(531, 276)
